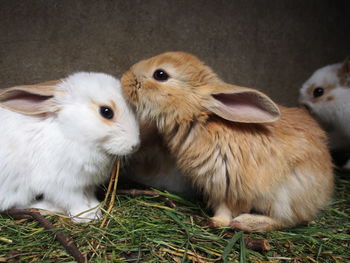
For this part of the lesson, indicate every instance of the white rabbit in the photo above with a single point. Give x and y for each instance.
(59, 140)
(326, 94)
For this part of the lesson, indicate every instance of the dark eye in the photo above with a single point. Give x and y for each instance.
(160, 75)
(106, 112)
(318, 92)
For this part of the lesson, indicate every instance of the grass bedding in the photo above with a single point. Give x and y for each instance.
(146, 229)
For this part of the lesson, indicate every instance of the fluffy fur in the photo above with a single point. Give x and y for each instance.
(154, 166)
(240, 149)
(55, 145)
(332, 108)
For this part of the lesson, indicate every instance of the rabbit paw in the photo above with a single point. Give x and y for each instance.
(254, 223)
(87, 215)
(222, 216)
(216, 222)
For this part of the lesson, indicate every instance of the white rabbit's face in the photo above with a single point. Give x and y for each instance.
(321, 94)
(93, 111)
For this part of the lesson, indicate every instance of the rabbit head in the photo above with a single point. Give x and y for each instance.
(88, 107)
(180, 87)
(326, 94)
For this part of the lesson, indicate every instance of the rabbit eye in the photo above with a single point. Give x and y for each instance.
(160, 75)
(318, 92)
(106, 112)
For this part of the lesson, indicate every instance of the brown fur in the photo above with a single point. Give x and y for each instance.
(327, 90)
(281, 169)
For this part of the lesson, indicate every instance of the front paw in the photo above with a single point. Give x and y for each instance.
(217, 222)
(255, 223)
(222, 216)
(87, 215)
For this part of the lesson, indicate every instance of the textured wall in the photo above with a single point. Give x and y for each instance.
(272, 45)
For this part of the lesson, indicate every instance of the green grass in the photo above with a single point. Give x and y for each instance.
(144, 229)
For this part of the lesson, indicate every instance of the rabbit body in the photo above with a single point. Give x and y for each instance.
(234, 144)
(153, 165)
(326, 94)
(54, 159)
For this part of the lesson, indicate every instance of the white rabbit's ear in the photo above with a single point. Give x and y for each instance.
(30, 99)
(244, 105)
(344, 72)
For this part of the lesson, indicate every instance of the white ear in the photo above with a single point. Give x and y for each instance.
(29, 99)
(244, 105)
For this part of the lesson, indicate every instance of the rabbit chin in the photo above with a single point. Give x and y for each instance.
(121, 147)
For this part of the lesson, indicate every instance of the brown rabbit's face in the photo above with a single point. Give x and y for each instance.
(178, 86)
(169, 83)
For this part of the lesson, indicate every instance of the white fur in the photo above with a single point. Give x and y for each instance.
(65, 155)
(333, 115)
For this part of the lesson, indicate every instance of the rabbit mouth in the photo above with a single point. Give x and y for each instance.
(138, 85)
(122, 150)
(134, 81)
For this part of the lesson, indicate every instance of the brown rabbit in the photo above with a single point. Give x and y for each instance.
(235, 144)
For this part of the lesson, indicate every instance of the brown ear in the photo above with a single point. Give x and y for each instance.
(245, 105)
(30, 99)
(49, 83)
(344, 72)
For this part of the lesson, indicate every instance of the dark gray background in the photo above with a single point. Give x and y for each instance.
(272, 45)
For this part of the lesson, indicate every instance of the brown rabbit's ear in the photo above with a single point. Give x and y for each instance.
(30, 99)
(244, 105)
